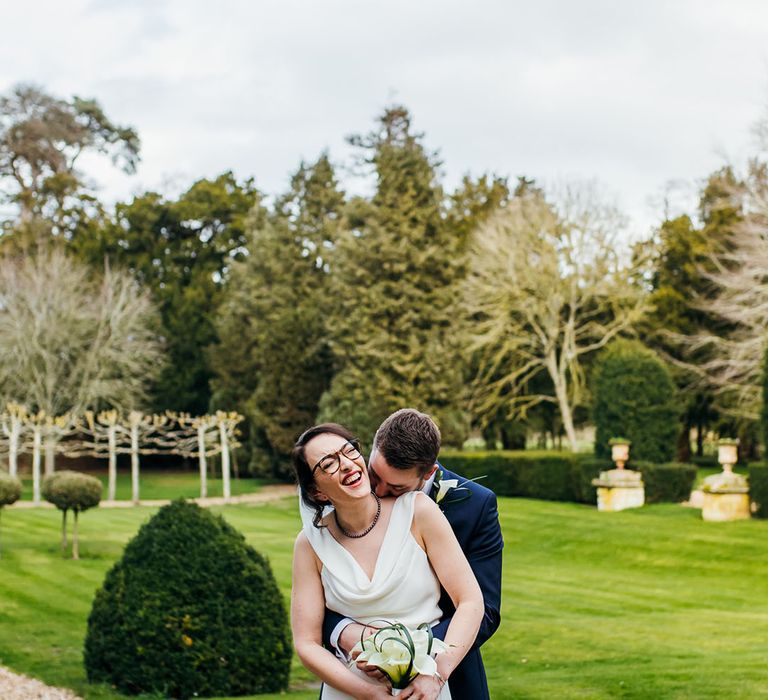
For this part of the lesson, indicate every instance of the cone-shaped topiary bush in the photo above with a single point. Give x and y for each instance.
(190, 609)
(634, 397)
(10, 492)
(73, 491)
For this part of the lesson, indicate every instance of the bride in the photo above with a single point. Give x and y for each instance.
(372, 559)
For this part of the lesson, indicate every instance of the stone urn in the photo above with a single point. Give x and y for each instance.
(726, 495)
(620, 488)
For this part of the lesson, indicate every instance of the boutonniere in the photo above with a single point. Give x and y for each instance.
(450, 490)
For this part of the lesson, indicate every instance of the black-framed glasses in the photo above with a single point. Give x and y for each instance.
(331, 463)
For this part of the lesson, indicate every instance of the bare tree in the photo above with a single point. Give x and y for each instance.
(546, 286)
(71, 339)
(735, 362)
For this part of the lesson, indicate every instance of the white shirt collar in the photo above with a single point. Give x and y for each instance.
(428, 483)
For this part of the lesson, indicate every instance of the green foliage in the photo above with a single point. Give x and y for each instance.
(181, 250)
(758, 488)
(10, 489)
(41, 137)
(392, 322)
(272, 361)
(634, 396)
(69, 490)
(190, 609)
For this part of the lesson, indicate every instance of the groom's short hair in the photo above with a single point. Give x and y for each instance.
(407, 439)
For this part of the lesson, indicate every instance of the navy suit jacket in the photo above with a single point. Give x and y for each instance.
(475, 521)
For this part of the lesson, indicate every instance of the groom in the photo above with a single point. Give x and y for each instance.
(404, 458)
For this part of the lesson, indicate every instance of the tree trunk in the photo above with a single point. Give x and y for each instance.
(565, 413)
(561, 393)
(135, 463)
(64, 533)
(75, 548)
(112, 439)
(683, 447)
(201, 459)
(13, 446)
(37, 441)
(50, 454)
(224, 459)
(700, 438)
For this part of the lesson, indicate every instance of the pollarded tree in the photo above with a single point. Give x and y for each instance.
(547, 286)
(72, 339)
(74, 491)
(395, 274)
(634, 397)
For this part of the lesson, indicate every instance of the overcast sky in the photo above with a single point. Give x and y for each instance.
(634, 94)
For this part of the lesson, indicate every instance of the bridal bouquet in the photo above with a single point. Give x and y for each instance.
(401, 653)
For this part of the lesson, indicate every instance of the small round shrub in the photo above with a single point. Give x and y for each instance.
(190, 609)
(74, 491)
(10, 489)
(634, 396)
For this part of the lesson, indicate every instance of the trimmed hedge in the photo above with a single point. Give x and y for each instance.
(563, 476)
(189, 610)
(758, 489)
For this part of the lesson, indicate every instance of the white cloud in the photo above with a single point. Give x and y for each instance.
(633, 94)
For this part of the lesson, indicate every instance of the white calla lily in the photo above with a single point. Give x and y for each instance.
(401, 653)
(445, 487)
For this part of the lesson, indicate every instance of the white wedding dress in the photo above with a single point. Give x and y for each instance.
(404, 588)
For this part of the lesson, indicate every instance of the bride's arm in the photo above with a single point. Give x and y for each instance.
(307, 610)
(456, 577)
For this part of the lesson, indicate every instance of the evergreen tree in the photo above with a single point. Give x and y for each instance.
(273, 362)
(394, 278)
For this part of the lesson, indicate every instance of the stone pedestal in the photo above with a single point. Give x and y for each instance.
(726, 497)
(619, 489)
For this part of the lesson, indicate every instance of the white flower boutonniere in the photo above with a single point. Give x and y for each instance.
(444, 487)
(447, 491)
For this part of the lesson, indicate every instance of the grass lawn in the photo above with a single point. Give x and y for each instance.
(652, 603)
(162, 485)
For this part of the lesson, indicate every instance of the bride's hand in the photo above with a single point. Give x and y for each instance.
(423, 688)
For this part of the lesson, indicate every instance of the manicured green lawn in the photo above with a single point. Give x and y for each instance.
(163, 485)
(652, 603)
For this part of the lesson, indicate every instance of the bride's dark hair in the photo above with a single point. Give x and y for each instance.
(303, 471)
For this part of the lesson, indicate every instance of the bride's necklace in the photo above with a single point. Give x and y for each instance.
(355, 535)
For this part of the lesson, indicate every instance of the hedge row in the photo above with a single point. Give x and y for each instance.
(557, 476)
(758, 488)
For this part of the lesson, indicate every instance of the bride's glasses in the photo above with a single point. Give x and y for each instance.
(331, 463)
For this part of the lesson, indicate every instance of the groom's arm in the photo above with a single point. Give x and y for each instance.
(333, 625)
(483, 550)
